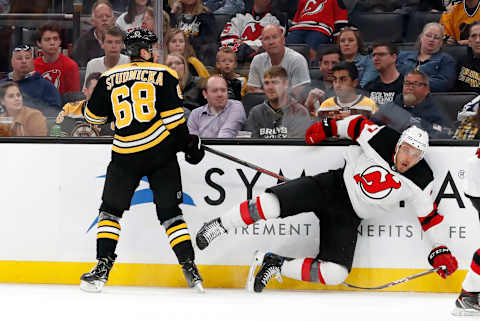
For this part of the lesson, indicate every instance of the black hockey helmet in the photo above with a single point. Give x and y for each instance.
(139, 39)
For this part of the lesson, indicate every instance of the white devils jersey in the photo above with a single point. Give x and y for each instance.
(472, 183)
(374, 187)
(247, 28)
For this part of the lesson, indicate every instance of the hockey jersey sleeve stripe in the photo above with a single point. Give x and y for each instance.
(476, 262)
(355, 127)
(141, 135)
(126, 150)
(171, 112)
(306, 267)
(92, 118)
(432, 219)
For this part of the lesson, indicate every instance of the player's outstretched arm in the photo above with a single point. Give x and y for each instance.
(350, 127)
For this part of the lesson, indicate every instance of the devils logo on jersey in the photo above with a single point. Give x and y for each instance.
(53, 76)
(312, 7)
(376, 182)
(252, 32)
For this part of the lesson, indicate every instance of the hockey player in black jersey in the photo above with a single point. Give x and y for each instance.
(468, 302)
(145, 102)
(383, 170)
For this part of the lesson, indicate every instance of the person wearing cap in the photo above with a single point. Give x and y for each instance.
(385, 168)
(38, 92)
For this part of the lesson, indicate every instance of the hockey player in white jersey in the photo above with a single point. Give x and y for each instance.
(387, 168)
(467, 303)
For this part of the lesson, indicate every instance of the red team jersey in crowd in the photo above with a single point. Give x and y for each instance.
(63, 73)
(320, 15)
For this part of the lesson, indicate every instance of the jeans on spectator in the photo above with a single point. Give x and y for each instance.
(312, 38)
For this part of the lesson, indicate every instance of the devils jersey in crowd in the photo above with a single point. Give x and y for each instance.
(63, 73)
(145, 102)
(374, 186)
(326, 16)
(246, 27)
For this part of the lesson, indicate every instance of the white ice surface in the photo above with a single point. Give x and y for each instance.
(62, 302)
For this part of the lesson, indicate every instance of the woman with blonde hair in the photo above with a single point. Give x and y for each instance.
(26, 121)
(198, 24)
(192, 93)
(177, 42)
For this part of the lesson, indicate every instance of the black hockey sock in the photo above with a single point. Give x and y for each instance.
(108, 232)
(180, 241)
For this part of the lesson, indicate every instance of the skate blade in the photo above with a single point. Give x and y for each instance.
(458, 312)
(199, 287)
(94, 287)
(256, 262)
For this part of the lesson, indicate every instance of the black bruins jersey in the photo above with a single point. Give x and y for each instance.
(144, 100)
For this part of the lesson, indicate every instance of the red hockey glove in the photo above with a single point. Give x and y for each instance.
(194, 151)
(442, 256)
(319, 131)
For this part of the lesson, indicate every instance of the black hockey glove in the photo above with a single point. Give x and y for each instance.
(194, 151)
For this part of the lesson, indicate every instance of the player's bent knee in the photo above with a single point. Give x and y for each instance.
(108, 216)
(270, 205)
(166, 214)
(333, 274)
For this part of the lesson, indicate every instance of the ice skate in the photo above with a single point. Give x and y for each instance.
(94, 280)
(467, 304)
(192, 276)
(270, 267)
(209, 232)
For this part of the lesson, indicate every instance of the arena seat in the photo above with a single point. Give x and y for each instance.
(450, 103)
(418, 19)
(252, 99)
(220, 22)
(302, 49)
(456, 51)
(315, 73)
(382, 26)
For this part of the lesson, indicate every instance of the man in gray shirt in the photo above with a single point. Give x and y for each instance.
(280, 116)
(221, 117)
(273, 42)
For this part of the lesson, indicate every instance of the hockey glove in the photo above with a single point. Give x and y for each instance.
(319, 131)
(194, 151)
(441, 255)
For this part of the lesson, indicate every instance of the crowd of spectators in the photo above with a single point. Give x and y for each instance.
(260, 68)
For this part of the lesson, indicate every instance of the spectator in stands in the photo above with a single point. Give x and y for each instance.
(276, 53)
(198, 24)
(468, 67)
(88, 46)
(397, 5)
(37, 92)
(321, 89)
(149, 21)
(112, 44)
(177, 42)
(4, 6)
(457, 20)
(71, 120)
(225, 6)
(243, 31)
(413, 107)
(279, 116)
(351, 46)
(221, 117)
(226, 64)
(469, 127)
(347, 99)
(316, 21)
(192, 93)
(52, 64)
(27, 121)
(389, 83)
(133, 18)
(439, 66)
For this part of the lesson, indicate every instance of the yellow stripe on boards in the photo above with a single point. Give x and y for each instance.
(179, 240)
(176, 228)
(130, 150)
(171, 112)
(105, 235)
(109, 223)
(215, 276)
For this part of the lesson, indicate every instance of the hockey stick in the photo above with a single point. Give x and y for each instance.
(403, 280)
(245, 163)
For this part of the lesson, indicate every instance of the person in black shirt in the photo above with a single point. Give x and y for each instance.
(389, 83)
(468, 67)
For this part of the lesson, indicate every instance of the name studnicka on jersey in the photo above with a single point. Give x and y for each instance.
(151, 76)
